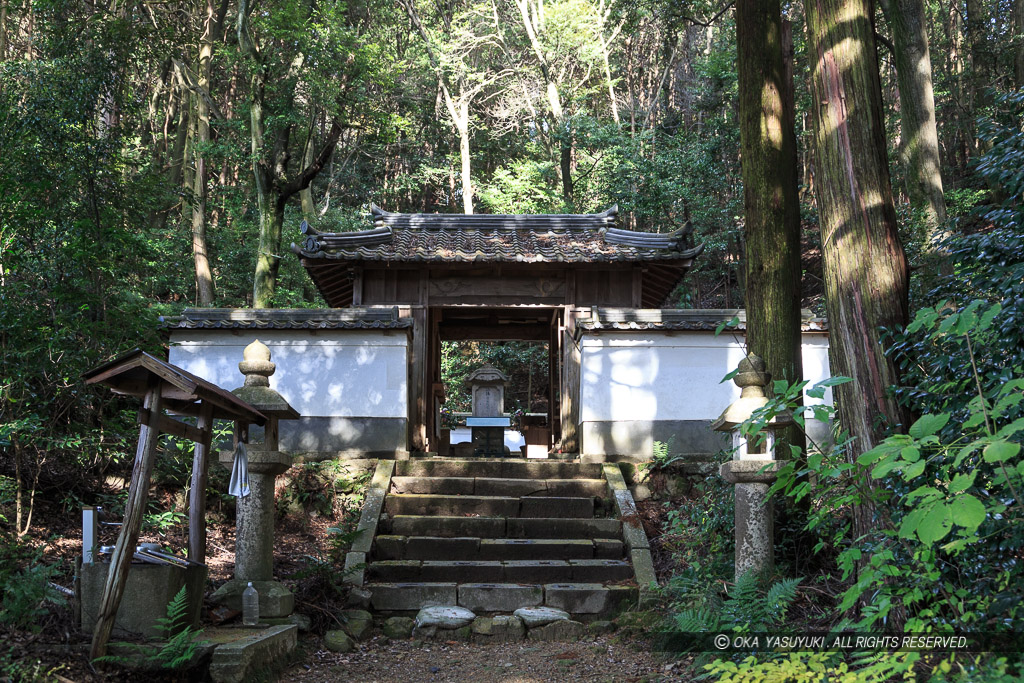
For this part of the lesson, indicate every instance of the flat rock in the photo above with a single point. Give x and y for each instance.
(539, 616)
(444, 617)
(338, 641)
(399, 628)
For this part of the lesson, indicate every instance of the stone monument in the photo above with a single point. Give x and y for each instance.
(487, 387)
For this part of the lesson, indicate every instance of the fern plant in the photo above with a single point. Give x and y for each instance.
(181, 646)
(182, 642)
(748, 608)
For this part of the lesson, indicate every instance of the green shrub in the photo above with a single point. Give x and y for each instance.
(24, 585)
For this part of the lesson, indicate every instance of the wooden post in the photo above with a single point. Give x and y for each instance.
(554, 394)
(417, 372)
(197, 492)
(134, 509)
(271, 435)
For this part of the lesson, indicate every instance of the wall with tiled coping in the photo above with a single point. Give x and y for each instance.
(642, 386)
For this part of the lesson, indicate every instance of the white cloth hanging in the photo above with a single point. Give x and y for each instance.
(239, 486)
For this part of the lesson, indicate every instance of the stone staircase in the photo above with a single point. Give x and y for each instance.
(494, 535)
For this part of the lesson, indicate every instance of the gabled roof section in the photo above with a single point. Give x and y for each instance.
(492, 238)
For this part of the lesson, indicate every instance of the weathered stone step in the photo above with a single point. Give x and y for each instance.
(574, 598)
(501, 527)
(498, 486)
(497, 506)
(496, 468)
(508, 571)
(390, 547)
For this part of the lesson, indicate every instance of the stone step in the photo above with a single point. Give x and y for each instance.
(494, 506)
(508, 571)
(575, 598)
(499, 468)
(390, 547)
(498, 486)
(501, 527)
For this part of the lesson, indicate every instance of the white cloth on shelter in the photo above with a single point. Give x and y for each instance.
(239, 486)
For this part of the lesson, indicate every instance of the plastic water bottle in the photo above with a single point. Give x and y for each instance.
(250, 606)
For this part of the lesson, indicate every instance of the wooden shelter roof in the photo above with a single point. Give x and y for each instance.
(181, 392)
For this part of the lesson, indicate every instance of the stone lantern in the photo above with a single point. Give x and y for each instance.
(254, 539)
(752, 473)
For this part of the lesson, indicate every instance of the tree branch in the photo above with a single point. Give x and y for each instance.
(306, 176)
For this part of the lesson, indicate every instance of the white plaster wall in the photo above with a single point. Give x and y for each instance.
(335, 373)
(651, 376)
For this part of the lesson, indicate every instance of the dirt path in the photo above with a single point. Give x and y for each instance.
(380, 661)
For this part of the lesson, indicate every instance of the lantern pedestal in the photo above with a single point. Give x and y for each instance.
(755, 538)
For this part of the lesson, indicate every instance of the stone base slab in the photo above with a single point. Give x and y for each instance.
(249, 654)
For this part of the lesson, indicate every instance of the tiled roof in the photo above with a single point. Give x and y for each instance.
(620, 319)
(367, 318)
(485, 238)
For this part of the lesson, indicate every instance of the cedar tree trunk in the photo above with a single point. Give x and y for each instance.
(865, 266)
(919, 147)
(771, 205)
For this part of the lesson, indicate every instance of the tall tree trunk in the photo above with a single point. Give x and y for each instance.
(462, 124)
(200, 251)
(865, 266)
(771, 204)
(1017, 31)
(919, 146)
(176, 162)
(977, 78)
(608, 79)
(533, 25)
(3, 30)
(306, 195)
(964, 125)
(458, 108)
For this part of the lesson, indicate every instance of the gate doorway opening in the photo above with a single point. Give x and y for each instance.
(522, 342)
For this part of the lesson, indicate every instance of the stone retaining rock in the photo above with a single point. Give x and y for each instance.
(499, 629)
(338, 641)
(357, 623)
(601, 627)
(461, 635)
(302, 621)
(399, 628)
(540, 616)
(558, 631)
